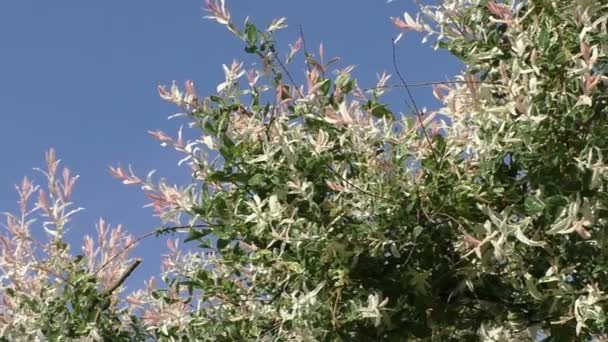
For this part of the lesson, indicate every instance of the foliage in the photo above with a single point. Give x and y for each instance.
(46, 292)
(321, 213)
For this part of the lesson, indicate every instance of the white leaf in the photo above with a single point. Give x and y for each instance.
(273, 204)
(531, 286)
(523, 238)
(560, 227)
(398, 38)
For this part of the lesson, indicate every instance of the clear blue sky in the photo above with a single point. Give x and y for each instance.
(81, 76)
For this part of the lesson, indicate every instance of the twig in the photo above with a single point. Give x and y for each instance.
(411, 252)
(411, 97)
(147, 235)
(306, 54)
(424, 84)
(287, 73)
(122, 279)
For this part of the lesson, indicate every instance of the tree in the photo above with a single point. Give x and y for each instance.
(322, 214)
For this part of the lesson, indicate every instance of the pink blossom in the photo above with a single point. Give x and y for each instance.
(164, 93)
(150, 284)
(190, 90)
(425, 119)
(89, 251)
(282, 94)
(312, 81)
(68, 183)
(173, 95)
(136, 299)
(52, 162)
(321, 52)
(382, 79)
(127, 179)
(501, 11)
(252, 77)
(470, 241)
(295, 48)
(218, 11)
(591, 83)
(25, 191)
(172, 245)
(579, 227)
(585, 51)
(335, 186)
(29, 264)
(161, 136)
(438, 91)
(166, 199)
(407, 23)
(277, 24)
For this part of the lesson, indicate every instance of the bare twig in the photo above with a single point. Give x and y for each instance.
(306, 54)
(284, 68)
(122, 279)
(144, 236)
(425, 84)
(413, 102)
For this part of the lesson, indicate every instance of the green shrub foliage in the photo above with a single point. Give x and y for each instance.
(321, 213)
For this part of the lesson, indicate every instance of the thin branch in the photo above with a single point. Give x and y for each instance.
(424, 84)
(124, 277)
(287, 73)
(144, 236)
(411, 252)
(306, 54)
(413, 102)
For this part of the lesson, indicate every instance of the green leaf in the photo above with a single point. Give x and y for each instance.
(198, 211)
(222, 243)
(195, 234)
(256, 180)
(381, 111)
(216, 99)
(218, 176)
(531, 286)
(205, 243)
(325, 86)
(533, 205)
(252, 34)
(417, 231)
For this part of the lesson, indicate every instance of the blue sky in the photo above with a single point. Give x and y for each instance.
(81, 76)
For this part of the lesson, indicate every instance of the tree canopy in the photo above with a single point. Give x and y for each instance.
(320, 212)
